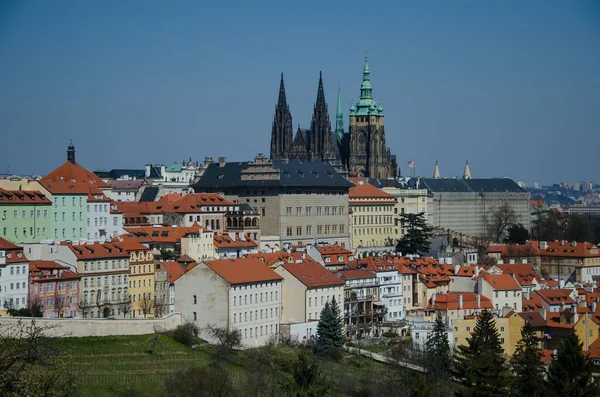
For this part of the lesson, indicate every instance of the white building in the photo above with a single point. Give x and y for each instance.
(233, 245)
(503, 290)
(390, 286)
(420, 331)
(307, 287)
(103, 220)
(236, 294)
(14, 276)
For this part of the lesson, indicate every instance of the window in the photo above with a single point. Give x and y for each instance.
(309, 302)
(288, 211)
(308, 211)
(299, 231)
(195, 316)
(289, 231)
(298, 211)
(235, 301)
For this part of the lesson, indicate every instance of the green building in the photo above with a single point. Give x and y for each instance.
(25, 216)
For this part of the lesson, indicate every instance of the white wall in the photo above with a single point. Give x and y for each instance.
(69, 327)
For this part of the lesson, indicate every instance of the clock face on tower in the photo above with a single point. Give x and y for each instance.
(361, 138)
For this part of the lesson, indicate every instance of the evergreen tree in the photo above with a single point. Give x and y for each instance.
(418, 233)
(570, 374)
(517, 234)
(527, 367)
(480, 364)
(437, 350)
(329, 329)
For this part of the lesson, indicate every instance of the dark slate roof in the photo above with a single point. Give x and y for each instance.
(119, 173)
(292, 174)
(471, 185)
(149, 194)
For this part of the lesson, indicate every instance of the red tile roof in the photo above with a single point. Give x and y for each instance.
(20, 197)
(98, 251)
(75, 172)
(224, 241)
(164, 234)
(272, 258)
(556, 296)
(532, 304)
(501, 282)
(243, 271)
(450, 301)
(355, 273)
(568, 249)
(364, 190)
(523, 272)
(176, 270)
(7, 245)
(45, 265)
(191, 203)
(312, 274)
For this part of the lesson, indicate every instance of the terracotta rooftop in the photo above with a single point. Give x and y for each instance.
(21, 197)
(501, 282)
(523, 272)
(451, 301)
(98, 251)
(164, 234)
(45, 265)
(355, 273)
(556, 296)
(364, 190)
(75, 172)
(243, 271)
(312, 274)
(224, 241)
(176, 270)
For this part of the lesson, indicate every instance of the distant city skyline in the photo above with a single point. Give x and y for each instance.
(510, 86)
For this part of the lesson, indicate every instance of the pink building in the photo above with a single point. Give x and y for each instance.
(55, 287)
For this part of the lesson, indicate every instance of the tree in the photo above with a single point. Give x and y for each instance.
(480, 364)
(517, 234)
(416, 238)
(186, 333)
(32, 364)
(570, 374)
(147, 304)
(437, 350)
(309, 380)
(211, 380)
(579, 228)
(527, 368)
(549, 227)
(226, 340)
(167, 255)
(124, 305)
(329, 329)
(502, 218)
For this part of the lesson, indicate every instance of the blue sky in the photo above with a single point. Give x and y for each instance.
(512, 86)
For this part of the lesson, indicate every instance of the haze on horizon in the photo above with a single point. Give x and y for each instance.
(511, 86)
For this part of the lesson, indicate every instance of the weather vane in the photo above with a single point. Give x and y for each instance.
(366, 54)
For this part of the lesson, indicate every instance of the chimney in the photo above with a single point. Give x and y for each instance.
(511, 261)
(562, 242)
(594, 307)
(543, 245)
(222, 161)
(478, 301)
(523, 261)
(574, 243)
(460, 301)
(456, 269)
(576, 318)
(500, 262)
(562, 284)
(433, 300)
(542, 312)
(163, 171)
(476, 273)
(147, 169)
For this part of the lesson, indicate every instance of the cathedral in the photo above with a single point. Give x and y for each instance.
(361, 151)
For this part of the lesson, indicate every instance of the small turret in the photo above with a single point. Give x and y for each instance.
(436, 171)
(71, 152)
(467, 173)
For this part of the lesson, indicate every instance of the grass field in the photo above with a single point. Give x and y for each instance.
(122, 365)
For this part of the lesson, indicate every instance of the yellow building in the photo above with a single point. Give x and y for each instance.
(586, 329)
(371, 217)
(509, 328)
(141, 279)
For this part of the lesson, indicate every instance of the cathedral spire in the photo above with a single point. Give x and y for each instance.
(320, 104)
(282, 101)
(71, 152)
(339, 116)
(467, 173)
(436, 171)
(366, 90)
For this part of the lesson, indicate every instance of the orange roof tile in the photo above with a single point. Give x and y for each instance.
(568, 249)
(312, 274)
(271, 258)
(98, 251)
(20, 197)
(164, 234)
(75, 173)
(556, 296)
(523, 272)
(364, 190)
(355, 273)
(176, 270)
(223, 241)
(451, 301)
(243, 271)
(501, 282)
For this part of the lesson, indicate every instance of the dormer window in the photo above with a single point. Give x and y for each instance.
(328, 259)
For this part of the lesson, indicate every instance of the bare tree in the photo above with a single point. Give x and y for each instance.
(32, 364)
(124, 305)
(59, 303)
(146, 304)
(226, 340)
(501, 219)
(159, 306)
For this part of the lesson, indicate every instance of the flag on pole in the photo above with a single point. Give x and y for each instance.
(411, 163)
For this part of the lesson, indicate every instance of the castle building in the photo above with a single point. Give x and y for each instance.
(361, 151)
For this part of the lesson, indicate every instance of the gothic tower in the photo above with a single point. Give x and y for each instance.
(281, 133)
(369, 156)
(71, 152)
(320, 128)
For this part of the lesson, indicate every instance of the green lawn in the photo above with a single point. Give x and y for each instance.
(116, 366)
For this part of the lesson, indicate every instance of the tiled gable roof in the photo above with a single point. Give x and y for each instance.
(243, 271)
(20, 197)
(97, 251)
(501, 282)
(75, 172)
(312, 274)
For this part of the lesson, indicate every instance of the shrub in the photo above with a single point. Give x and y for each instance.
(389, 334)
(336, 354)
(186, 333)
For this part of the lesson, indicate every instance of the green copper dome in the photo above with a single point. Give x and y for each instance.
(366, 105)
